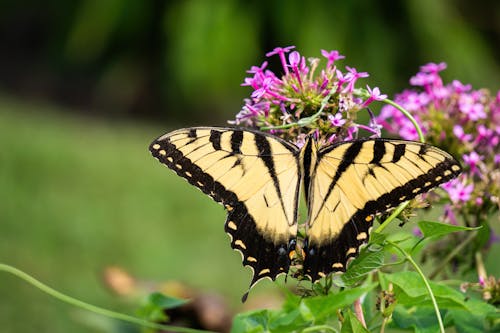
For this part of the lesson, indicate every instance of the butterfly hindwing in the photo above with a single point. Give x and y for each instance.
(353, 181)
(254, 175)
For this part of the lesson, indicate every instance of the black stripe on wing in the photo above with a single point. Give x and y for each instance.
(266, 258)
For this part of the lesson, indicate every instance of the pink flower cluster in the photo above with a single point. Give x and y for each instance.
(462, 121)
(305, 99)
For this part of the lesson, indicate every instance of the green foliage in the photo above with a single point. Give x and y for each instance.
(155, 306)
(436, 229)
(404, 299)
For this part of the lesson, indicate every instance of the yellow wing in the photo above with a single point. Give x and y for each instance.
(254, 175)
(352, 181)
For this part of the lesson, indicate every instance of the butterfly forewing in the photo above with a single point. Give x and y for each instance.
(352, 181)
(254, 175)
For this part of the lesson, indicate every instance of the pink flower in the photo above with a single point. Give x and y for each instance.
(433, 67)
(352, 77)
(332, 56)
(458, 191)
(459, 133)
(336, 120)
(280, 51)
(375, 95)
(472, 160)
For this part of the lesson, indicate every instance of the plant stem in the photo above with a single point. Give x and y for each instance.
(89, 307)
(319, 328)
(391, 217)
(358, 310)
(452, 254)
(426, 283)
(481, 270)
(409, 116)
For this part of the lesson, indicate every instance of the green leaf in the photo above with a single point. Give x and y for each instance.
(467, 322)
(268, 321)
(155, 305)
(422, 320)
(483, 237)
(368, 260)
(377, 238)
(437, 229)
(410, 290)
(291, 302)
(251, 322)
(352, 324)
(477, 317)
(322, 307)
(165, 302)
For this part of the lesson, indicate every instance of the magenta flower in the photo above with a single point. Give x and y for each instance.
(281, 51)
(457, 191)
(460, 134)
(422, 79)
(295, 62)
(375, 95)
(472, 160)
(332, 56)
(337, 120)
(352, 77)
(294, 99)
(433, 68)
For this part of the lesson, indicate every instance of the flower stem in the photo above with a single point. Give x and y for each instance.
(89, 307)
(358, 310)
(407, 115)
(391, 217)
(481, 270)
(426, 283)
(319, 328)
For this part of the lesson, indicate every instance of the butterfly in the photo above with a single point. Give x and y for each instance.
(258, 178)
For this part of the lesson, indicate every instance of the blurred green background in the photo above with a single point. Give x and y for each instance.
(86, 85)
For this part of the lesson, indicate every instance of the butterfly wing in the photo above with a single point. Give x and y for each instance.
(354, 180)
(254, 175)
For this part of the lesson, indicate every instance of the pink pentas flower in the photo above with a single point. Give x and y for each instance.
(375, 95)
(422, 79)
(417, 232)
(295, 61)
(331, 56)
(449, 215)
(468, 105)
(341, 79)
(257, 69)
(458, 191)
(336, 120)
(441, 93)
(408, 132)
(352, 76)
(459, 87)
(413, 101)
(295, 100)
(433, 67)
(472, 160)
(281, 51)
(460, 134)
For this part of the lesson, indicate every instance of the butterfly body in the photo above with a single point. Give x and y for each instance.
(258, 178)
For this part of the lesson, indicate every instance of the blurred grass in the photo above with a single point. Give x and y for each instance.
(78, 194)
